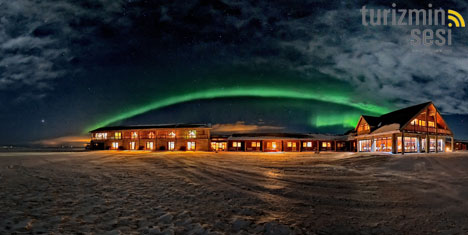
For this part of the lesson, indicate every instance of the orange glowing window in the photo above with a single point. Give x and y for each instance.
(273, 145)
(149, 145)
(132, 145)
(170, 146)
(115, 145)
(134, 134)
(190, 146)
(100, 136)
(255, 144)
(192, 134)
(118, 135)
(151, 135)
(172, 134)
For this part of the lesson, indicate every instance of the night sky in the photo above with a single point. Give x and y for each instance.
(67, 67)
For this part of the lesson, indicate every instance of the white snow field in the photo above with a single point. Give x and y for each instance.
(233, 193)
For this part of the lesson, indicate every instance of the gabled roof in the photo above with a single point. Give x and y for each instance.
(395, 120)
(151, 126)
(402, 116)
(371, 120)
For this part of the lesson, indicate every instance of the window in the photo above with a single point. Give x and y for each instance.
(170, 146)
(100, 136)
(364, 145)
(431, 124)
(383, 144)
(307, 144)
(218, 146)
(363, 127)
(291, 144)
(192, 134)
(118, 135)
(132, 145)
(172, 134)
(134, 135)
(271, 145)
(414, 122)
(115, 145)
(411, 144)
(151, 135)
(191, 146)
(256, 144)
(149, 145)
(326, 144)
(236, 144)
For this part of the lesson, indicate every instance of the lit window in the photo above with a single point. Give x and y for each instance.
(118, 135)
(236, 144)
(414, 122)
(273, 145)
(134, 134)
(254, 144)
(309, 144)
(132, 145)
(170, 146)
(192, 134)
(324, 144)
(431, 124)
(115, 145)
(150, 145)
(190, 146)
(289, 144)
(151, 135)
(172, 134)
(100, 136)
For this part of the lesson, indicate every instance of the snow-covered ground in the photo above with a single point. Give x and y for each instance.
(245, 193)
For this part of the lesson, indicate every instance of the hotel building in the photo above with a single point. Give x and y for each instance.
(415, 129)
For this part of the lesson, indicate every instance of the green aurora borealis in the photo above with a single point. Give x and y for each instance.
(341, 98)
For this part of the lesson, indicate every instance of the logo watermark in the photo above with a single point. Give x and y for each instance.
(437, 34)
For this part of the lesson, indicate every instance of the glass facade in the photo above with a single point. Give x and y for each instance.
(383, 144)
(411, 144)
(365, 145)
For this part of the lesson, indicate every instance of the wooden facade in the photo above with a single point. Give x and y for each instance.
(415, 129)
(155, 137)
